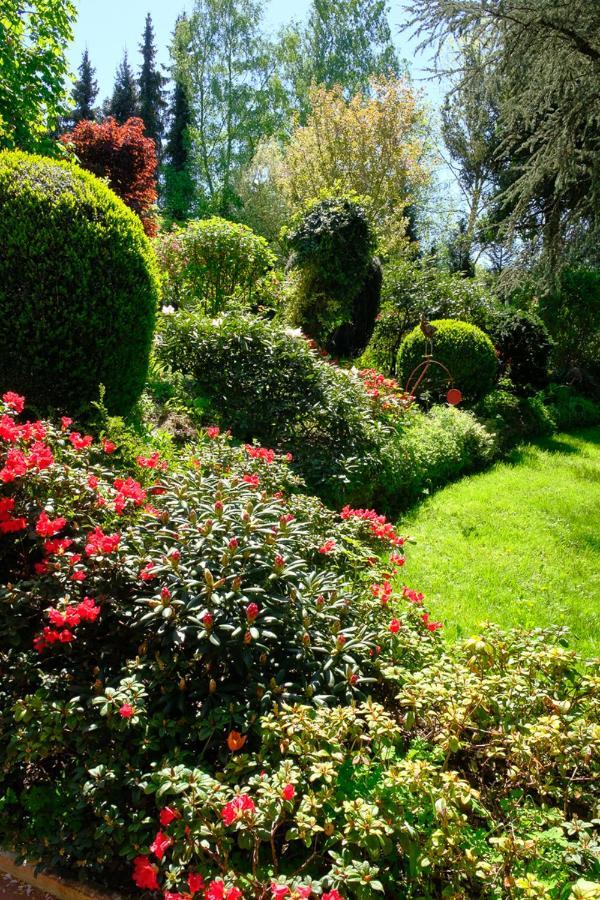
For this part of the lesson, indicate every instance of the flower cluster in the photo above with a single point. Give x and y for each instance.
(385, 393)
(63, 621)
(378, 525)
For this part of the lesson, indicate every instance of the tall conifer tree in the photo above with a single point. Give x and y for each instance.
(85, 91)
(151, 102)
(124, 101)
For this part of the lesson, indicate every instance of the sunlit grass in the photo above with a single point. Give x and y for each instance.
(517, 545)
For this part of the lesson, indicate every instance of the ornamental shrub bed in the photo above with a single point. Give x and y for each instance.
(212, 686)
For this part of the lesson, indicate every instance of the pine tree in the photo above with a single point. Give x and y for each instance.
(151, 83)
(178, 192)
(85, 91)
(124, 101)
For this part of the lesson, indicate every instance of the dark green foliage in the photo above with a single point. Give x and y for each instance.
(464, 349)
(85, 91)
(352, 338)
(511, 418)
(412, 288)
(78, 288)
(524, 345)
(266, 384)
(570, 409)
(123, 104)
(571, 310)
(151, 101)
(332, 248)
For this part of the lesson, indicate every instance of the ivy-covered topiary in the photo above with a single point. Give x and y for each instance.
(336, 285)
(78, 287)
(524, 345)
(464, 349)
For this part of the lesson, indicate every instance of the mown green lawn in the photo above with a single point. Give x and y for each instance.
(517, 545)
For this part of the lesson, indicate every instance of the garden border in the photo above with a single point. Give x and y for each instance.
(61, 888)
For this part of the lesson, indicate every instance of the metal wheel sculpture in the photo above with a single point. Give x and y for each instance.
(419, 373)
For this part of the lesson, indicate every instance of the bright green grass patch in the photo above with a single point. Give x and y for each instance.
(517, 545)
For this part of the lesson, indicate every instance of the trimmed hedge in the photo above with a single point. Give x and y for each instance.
(464, 349)
(78, 288)
(524, 345)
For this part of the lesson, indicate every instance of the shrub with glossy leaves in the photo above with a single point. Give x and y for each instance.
(213, 261)
(269, 384)
(464, 349)
(78, 288)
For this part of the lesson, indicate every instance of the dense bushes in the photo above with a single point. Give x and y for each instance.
(524, 345)
(268, 384)
(571, 311)
(412, 289)
(78, 287)
(335, 290)
(155, 626)
(212, 261)
(464, 349)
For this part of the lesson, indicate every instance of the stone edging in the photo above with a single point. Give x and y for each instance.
(61, 888)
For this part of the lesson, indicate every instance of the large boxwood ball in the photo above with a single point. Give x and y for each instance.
(78, 288)
(464, 349)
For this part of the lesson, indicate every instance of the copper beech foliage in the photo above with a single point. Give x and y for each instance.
(124, 155)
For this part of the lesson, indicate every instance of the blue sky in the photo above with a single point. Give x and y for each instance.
(107, 27)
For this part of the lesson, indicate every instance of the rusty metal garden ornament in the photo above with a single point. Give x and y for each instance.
(419, 373)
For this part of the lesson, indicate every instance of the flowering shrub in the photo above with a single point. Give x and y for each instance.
(74, 325)
(124, 155)
(212, 261)
(187, 656)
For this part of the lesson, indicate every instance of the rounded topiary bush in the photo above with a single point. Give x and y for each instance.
(464, 349)
(78, 287)
(524, 345)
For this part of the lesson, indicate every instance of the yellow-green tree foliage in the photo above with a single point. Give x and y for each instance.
(371, 144)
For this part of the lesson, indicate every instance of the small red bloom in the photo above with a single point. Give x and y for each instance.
(14, 401)
(147, 573)
(99, 543)
(288, 792)
(168, 815)
(144, 874)
(126, 711)
(252, 611)
(394, 626)
(328, 546)
(233, 543)
(238, 808)
(213, 431)
(92, 482)
(430, 626)
(332, 895)
(161, 843)
(195, 882)
(79, 442)
(108, 446)
(65, 423)
(46, 527)
(208, 620)
(252, 480)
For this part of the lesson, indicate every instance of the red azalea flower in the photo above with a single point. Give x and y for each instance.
(233, 543)
(260, 453)
(147, 573)
(87, 610)
(394, 626)
(279, 891)
(168, 815)
(79, 442)
(195, 882)
(144, 874)
(430, 626)
(99, 543)
(108, 446)
(208, 620)
(160, 843)
(332, 895)
(65, 423)
(92, 482)
(169, 895)
(288, 792)
(238, 808)
(14, 401)
(126, 711)
(397, 560)
(252, 480)
(328, 546)
(213, 431)
(47, 527)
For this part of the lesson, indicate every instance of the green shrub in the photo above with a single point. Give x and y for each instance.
(512, 418)
(331, 259)
(570, 409)
(429, 450)
(78, 287)
(212, 261)
(464, 349)
(571, 310)
(268, 384)
(412, 288)
(524, 346)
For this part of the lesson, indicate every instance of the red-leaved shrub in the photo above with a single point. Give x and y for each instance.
(124, 155)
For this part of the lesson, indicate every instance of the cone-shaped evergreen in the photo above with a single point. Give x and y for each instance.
(179, 187)
(124, 101)
(151, 104)
(85, 91)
